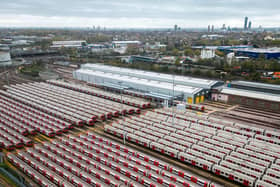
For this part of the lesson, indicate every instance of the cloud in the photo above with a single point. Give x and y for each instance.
(144, 13)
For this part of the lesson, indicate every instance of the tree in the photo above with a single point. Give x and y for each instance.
(261, 57)
(175, 52)
(245, 42)
(255, 76)
(164, 69)
(197, 72)
(209, 74)
(197, 52)
(220, 53)
(177, 62)
(188, 52)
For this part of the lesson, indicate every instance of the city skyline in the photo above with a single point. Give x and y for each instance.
(135, 14)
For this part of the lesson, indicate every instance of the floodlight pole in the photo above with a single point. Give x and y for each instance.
(173, 102)
(120, 83)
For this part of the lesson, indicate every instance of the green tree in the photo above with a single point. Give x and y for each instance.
(164, 69)
(220, 53)
(175, 52)
(255, 76)
(209, 74)
(177, 62)
(197, 52)
(262, 57)
(197, 72)
(188, 52)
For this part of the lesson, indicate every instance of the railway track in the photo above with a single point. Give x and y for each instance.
(257, 114)
(269, 113)
(5, 183)
(255, 117)
(219, 104)
(13, 78)
(28, 180)
(215, 105)
(246, 120)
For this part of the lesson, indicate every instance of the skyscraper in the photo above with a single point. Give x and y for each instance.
(208, 28)
(250, 25)
(175, 28)
(245, 23)
(212, 28)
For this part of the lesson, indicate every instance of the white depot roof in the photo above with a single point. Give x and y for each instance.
(68, 41)
(259, 85)
(146, 82)
(251, 94)
(189, 81)
(126, 42)
(260, 50)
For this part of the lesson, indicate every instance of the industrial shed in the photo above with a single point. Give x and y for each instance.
(179, 80)
(251, 98)
(255, 86)
(148, 86)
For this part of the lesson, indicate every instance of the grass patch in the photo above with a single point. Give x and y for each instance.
(32, 70)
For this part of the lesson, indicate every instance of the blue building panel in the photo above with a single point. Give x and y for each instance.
(255, 53)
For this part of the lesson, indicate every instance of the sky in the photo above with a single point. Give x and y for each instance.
(138, 13)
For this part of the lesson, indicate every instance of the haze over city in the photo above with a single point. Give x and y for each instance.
(138, 14)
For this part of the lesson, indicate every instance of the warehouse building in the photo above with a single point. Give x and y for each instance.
(191, 90)
(270, 53)
(205, 84)
(251, 98)
(69, 44)
(255, 86)
(5, 57)
(120, 44)
(138, 58)
(150, 88)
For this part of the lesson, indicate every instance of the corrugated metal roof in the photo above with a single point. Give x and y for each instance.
(126, 42)
(260, 50)
(183, 80)
(257, 85)
(161, 96)
(251, 94)
(146, 82)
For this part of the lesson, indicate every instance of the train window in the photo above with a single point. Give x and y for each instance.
(246, 183)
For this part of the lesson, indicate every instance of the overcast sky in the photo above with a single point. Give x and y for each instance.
(138, 13)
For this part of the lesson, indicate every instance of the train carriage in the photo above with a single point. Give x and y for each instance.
(256, 155)
(261, 183)
(263, 151)
(273, 173)
(246, 164)
(157, 147)
(241, 169)
(271, 180)
(230, 174)
(137, 139)
(274, 134)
